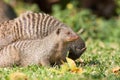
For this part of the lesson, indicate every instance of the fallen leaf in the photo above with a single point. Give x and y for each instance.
(71, 63)
(73, 67)
(18, 76)
(116, 70)
(77, 70)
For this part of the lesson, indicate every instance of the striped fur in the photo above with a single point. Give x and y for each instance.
(28, 26)
(45, 51)
(36, 25)
(31, 26)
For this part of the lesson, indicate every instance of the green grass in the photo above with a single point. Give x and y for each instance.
(102, 39)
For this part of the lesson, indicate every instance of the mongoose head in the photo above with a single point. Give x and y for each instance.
(66, 34)
(76, 45)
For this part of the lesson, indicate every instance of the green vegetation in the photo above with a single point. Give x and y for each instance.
(102, 56)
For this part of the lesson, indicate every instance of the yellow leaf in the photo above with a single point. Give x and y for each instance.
(77, 70)
(73, 67)
(71, 63)
(18, 76)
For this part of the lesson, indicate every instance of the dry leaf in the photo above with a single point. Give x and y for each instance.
(18, 76)
(116, 70)
(71, 63)
(77, 70)
(73, 67)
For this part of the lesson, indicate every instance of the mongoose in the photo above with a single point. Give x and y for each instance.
(6, 12)
(32, 26)
(46, 51)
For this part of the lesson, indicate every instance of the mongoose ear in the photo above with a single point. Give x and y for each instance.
(58, 31)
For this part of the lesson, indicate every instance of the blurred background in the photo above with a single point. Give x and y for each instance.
(93, 20)
(105, 8)
(96, 21)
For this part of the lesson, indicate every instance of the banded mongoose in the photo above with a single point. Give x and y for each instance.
(32, 26)
(6, 12)
(46, 51)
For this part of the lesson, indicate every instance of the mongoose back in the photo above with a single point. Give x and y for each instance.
(46, 51)
(30, 26)
(6, 12)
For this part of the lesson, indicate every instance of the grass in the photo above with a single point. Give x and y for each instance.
(102, 56)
